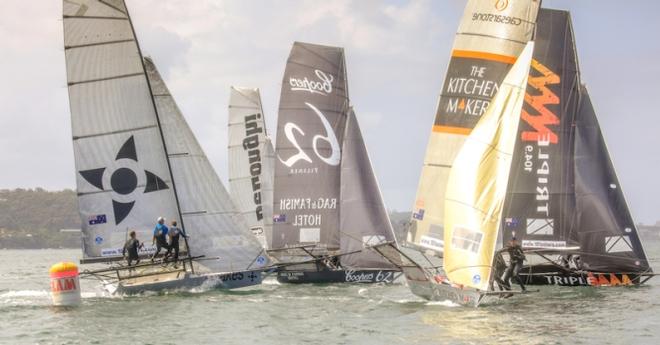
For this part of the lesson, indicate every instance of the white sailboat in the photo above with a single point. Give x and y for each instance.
(137, 160)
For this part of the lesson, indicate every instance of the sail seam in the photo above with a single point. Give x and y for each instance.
(93, 17)
(492, 36)
(113, 6)
(97, 44)
(113, 132)
(104, 79)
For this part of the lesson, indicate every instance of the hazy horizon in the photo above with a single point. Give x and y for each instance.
(397, 53)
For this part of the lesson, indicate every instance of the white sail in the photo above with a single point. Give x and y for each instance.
(478, 182)
(490, 36)
(251, 156)
(122, 174)
(214, 225)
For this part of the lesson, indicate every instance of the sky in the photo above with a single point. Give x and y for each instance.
(397, 54)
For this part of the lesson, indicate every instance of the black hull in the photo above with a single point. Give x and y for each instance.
(553, 275)
(337, 276)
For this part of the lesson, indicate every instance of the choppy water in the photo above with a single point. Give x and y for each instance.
(321, 314)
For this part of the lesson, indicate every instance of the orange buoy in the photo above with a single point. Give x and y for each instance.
(65, 284)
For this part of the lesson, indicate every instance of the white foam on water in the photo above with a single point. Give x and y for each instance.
(270, 281)
(362, 291)
(445, 303)
(24, 293)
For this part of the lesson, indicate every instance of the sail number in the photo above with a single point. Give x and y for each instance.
(527, 164)
(329, 137)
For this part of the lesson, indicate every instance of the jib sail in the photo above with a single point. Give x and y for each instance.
(251, 162)
(490, 37)
(363, 218)
(478, 183)
(215, 227)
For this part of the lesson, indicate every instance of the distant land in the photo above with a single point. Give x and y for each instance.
(37, 219)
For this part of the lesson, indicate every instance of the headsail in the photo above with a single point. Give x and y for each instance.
(251, 160)
(122, 174)
(363, 218)
(312, 117)
(214, 225)
(478, 181)
(490, 37)
(607, 234)
(540, 205)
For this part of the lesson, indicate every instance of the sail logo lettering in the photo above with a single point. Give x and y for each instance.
(322, 86)
(251, 145)
(330, 138)
(496, 18)
(543, 117)
(473, 93)
(308, 204)
(540, 134)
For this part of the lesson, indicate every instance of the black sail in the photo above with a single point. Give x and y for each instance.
(608, 237)
(312, 119)
(541, 201)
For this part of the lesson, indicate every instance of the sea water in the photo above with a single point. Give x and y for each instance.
(273, 313)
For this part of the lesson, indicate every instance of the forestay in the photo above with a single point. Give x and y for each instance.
(312, 117)
(122, 175)
(215, 227)
(478, 181)
(490, 36)
(251, 159)
(363, 218)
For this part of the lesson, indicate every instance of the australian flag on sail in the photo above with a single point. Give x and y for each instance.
(511, 222)
(99, 219)
(279, 218)
(419, 215)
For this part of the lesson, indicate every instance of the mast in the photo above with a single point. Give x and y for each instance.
(160, 130)
(478, 183)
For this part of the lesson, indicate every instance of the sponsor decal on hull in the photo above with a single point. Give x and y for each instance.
(369, 276)
(589, 279)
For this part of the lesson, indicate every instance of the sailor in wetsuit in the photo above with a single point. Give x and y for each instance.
(131, 247)
(175, 233)
(516, 259)
(160, 239)
(499, 266)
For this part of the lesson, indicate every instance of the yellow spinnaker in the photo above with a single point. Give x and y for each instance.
(478, 181)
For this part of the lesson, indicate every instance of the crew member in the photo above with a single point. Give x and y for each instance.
(516, 259)
(131, 247)
(160, 239)
(175, 233)
(499, 266)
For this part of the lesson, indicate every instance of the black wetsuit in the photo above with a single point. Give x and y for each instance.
(499, 266)
(131, 246)
(516, 259)
(175, 234)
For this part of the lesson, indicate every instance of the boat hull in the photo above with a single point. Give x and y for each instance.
(184, 281)
(442, 292)
(337, 276)
(552, 275)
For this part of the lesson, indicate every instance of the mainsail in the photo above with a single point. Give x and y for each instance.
(540, 205)
(478, 181)
(311, 124)
(563, 193)
(490, 37)
(251, 160)
(214, 225)
(123, 176)
(363, 218)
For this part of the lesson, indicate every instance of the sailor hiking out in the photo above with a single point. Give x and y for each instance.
(160, 239)
(175, 234)
(516, 259)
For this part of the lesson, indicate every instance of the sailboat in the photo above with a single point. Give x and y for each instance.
(327, 208)
(564, 200)
(474, 200)
(137, 160)
(490, 36)
(251, 159)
